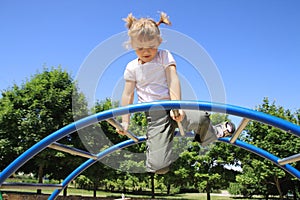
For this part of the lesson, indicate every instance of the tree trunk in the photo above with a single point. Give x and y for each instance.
(152, 186)
(40, 177)
(168, 188)
(267, 195)
(278, 187)
(65, 191)
(294, 193)
(95, 192)
(207, 191)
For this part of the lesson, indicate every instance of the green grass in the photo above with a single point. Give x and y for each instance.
(89, 193)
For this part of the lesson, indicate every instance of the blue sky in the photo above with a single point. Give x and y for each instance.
(255, 44)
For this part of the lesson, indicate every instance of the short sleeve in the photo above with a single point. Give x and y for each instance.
(129, 73)
(167, 58)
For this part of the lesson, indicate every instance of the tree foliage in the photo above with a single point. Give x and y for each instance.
(31, 112)
(260, 176)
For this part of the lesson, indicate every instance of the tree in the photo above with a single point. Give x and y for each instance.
(260, 176)
(34, 110)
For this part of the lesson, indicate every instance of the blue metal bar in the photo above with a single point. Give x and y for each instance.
(216, 107)
(90, 162)
(159, 105)
(27, 155)
(264, 154)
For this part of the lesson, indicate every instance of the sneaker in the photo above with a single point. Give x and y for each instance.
(225, 129)
(197, 138)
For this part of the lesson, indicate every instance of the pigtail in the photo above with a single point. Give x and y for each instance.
(129, 20)
(163, 19)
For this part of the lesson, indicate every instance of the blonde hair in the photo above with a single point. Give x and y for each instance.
(145, 29)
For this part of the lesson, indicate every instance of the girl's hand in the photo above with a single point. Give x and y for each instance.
(125, 126)
(179, 117)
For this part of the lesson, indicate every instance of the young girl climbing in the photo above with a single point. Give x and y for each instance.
(153, 75)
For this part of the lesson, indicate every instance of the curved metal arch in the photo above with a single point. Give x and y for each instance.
(130, 142)
(160, 105)
(264, 154)
(90, 162)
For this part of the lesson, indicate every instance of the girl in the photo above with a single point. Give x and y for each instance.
(153, 75)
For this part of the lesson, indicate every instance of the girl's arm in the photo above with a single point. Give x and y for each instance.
(173, 83)
(174, 89)
(127, 98)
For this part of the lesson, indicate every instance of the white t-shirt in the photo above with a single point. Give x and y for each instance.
(150, 77)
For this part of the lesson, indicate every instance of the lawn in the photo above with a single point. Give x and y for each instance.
(185, 196)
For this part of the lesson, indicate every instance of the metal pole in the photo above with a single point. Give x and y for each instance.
(239, 130)
(290, 159)
(70, 150)
(117, 125)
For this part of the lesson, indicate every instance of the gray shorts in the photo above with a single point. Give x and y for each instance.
(160, 136)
